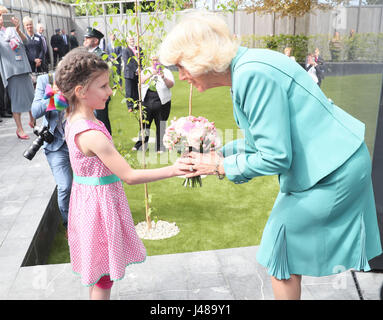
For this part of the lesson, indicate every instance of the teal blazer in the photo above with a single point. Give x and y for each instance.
(290, 127)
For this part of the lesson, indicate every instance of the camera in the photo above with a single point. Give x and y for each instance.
(43, 135)
(7, 20)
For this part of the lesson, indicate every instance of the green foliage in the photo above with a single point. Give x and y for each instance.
(298, 43)
(362, 47)
(288, 8)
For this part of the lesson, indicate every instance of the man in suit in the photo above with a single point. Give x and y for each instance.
(66, 42)
(57, 151)
(91, 42)
(115, 53)
(46, 58)
(129, 57)
(73, 42)
(57, 43)
(34, 46)
(320, 66)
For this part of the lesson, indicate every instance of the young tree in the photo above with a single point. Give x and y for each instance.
(157, 12)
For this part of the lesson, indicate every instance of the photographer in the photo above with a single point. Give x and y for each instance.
(157, 81)
(57, 151)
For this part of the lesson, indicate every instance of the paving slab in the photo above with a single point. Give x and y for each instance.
(25, 189)
(174, 277)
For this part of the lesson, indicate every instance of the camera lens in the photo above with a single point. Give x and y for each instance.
(34, 147)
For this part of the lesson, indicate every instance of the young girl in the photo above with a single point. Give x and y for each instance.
(101, 232)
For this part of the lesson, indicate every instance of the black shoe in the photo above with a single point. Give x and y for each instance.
(6, 115)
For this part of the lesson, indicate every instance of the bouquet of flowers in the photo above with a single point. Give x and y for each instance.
(191, 134)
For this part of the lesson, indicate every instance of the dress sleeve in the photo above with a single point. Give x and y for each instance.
(263, 108)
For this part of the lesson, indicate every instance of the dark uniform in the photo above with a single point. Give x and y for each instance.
(73, 42)
(130, 75)
(57, 42)
(35, 50)
(102, 115)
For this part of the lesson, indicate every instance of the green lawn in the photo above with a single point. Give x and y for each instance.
(220, 214)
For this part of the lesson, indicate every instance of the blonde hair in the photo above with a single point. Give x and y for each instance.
(27, 20)
(3, 9)
(201, 43)
(287, 50)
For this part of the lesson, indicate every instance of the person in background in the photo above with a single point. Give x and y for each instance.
(287, 52)
(34, 46)
(335, 46)
(117, 50)
(324, 215)
(102, 44)
(57, 44)
(56, 152)
(157, 81)
(66, 43)
(46, 58)
(320, 68)
(73, 42)
(92, 39)
(129, 57)
(5, 104)
(311, 67)
(352, 46)
(15, 72)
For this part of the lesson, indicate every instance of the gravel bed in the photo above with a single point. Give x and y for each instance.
(159, 230)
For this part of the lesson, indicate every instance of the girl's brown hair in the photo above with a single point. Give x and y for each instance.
(78, 67)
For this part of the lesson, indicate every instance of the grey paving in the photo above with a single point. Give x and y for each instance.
(228, 274)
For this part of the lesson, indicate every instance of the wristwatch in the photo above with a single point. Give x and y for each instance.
(216, 171)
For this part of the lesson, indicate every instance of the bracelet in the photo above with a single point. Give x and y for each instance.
(216, 171)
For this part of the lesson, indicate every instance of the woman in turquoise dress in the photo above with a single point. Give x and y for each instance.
(324, 218)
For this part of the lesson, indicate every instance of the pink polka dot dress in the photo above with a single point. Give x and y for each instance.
(101, 233)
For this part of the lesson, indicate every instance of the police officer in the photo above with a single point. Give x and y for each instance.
(91, 42)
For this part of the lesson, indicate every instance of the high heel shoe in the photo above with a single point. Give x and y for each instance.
(22, 137)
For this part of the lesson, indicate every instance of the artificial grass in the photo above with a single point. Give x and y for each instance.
(220, 214)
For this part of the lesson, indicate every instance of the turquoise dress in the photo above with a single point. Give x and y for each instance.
(324, 218)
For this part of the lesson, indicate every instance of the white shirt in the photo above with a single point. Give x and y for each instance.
(313, 73)
(163, 91)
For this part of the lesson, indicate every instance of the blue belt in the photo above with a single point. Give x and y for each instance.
(96, 181)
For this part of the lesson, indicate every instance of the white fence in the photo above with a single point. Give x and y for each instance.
(54, 14)
(343, 19)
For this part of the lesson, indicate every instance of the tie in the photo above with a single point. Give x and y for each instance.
(44, 43)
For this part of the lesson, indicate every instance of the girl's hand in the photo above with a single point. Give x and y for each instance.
(204, 163)
(182, 167)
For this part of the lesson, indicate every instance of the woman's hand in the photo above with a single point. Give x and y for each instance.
(182, 166)
(38, 62)
(205, 164)
(16, 22)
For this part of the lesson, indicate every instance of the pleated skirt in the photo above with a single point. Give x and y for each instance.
(329, 228)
